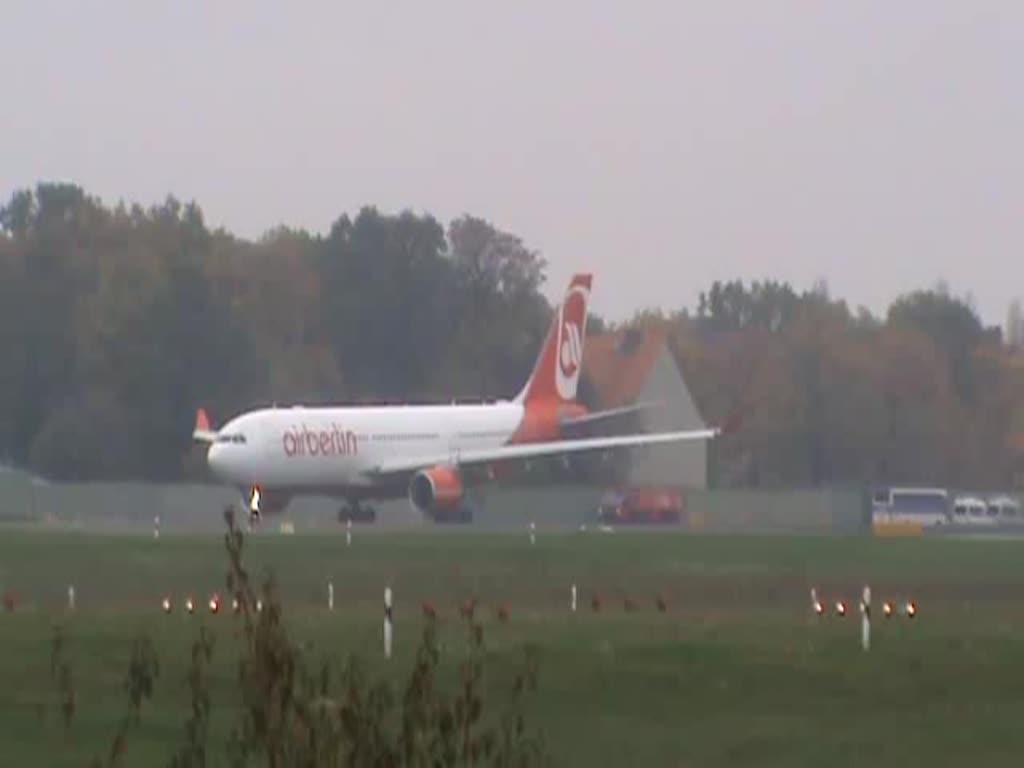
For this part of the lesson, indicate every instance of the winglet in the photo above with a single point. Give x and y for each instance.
(202, 430)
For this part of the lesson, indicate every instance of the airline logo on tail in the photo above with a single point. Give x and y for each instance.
(572, 322)
(557, 370)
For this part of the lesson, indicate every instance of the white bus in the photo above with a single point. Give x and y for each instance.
(928, 506)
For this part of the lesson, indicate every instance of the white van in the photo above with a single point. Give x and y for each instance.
(971, 510)
(1004, 509)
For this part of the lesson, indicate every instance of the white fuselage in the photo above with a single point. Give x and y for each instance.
(335, 448)
(431, 453)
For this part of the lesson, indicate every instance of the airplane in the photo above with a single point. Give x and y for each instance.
(431, 453)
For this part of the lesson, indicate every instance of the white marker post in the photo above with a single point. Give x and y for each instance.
(865, 619)
(71, 597)
(815, 603)
(330, 595)
(574, 598)
(348, 533)
(387, 623)
(533, 533)
(156, 526)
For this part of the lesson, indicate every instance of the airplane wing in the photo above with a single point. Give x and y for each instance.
(202, 431)
(531, 450)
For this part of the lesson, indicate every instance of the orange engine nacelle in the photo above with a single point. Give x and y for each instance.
(436, 490)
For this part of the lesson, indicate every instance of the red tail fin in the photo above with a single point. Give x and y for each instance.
(557, 370)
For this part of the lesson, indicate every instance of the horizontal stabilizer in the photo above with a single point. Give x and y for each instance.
(589, 418)
(202, 431)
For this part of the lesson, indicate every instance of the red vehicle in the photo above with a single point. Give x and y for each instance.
(646, 504)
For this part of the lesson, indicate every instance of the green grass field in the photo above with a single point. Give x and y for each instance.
(737, 671)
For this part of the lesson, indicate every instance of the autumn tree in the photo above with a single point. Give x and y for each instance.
(502, 314)
(387, 293)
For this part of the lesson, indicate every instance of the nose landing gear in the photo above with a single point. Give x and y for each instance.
(255, 506)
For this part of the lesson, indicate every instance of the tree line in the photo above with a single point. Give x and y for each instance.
(926, 394)
(117, 322)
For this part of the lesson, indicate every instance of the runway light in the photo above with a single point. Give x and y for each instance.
(840, 608)
(234, 604)
(911, 609)
(259, 606)
(189, 605)
(166, 605)
(214, 603)
(887, 609)
(819, 608)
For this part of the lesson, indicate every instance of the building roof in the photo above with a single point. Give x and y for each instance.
(616, 365)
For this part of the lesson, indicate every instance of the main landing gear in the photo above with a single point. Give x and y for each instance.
(356, 512)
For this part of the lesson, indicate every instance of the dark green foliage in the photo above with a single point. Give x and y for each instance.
(140, 679)
(293, 715)
(293, 711)
(192, 753)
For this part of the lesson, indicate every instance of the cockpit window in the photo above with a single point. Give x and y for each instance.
(234, 437)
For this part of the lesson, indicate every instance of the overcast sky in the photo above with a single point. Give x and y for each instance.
(877, 145)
